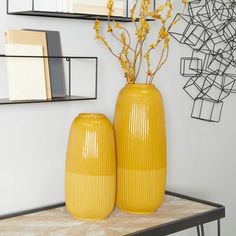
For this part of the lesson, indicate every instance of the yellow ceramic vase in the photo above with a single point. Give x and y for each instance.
(90, 178)
(141, 149)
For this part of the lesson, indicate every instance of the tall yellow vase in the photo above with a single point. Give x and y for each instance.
(90, 178)
(141, 149)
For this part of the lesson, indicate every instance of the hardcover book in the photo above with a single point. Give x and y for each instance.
(98, 7)
(32, 38)
(56, 69)
(26, 75)
(97, 10)
(45, 5)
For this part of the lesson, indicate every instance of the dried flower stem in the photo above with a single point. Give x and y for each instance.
(131, 59)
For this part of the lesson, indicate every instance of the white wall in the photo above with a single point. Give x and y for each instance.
(33, 138)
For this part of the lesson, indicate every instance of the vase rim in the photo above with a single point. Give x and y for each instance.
(142, 85)
(91, 115)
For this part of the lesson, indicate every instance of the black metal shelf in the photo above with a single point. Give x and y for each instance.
(81, 16)
(69, 97)
(5, 101)
(73, 16)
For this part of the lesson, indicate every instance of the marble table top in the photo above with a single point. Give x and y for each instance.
(57, 222)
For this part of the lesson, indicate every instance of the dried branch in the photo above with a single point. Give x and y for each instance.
(131, 59)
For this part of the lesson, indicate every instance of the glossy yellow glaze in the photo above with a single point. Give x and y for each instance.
(90, 178)
(141, 148)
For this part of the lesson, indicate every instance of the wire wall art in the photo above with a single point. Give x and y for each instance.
(209, 29)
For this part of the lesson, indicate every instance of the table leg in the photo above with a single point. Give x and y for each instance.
(200, 230)
(218, 227)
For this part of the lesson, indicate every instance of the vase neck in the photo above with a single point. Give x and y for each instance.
(91, 115)
(141, 85)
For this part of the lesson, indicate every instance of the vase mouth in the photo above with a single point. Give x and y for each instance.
(92, 115)
(141, 85)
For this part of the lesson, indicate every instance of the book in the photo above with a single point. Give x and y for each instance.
(90, 7)
(32, 38)
(116, 3)
(56, 69)
(70, 5)
(45, 5)
(59, 5)
(98, 10)
(67, 5)
(26, 75)
(64, 5)
(98, 7)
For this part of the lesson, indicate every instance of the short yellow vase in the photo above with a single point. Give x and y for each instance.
(90, 178)
(141, 149)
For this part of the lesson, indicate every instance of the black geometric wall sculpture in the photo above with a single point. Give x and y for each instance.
(209, 29)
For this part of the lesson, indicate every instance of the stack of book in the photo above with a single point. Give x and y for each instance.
(98, 7)
(34, 78)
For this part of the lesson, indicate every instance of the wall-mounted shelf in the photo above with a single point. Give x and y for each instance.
(71, 77)
(32, 12)
(71, 16)
(6, 101)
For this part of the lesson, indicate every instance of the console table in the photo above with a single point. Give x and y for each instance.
(178, 213)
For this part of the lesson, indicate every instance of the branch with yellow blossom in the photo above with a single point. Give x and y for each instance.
(131, 59)
(163, 37)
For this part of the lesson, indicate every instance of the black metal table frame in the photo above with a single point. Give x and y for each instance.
(197, 220)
